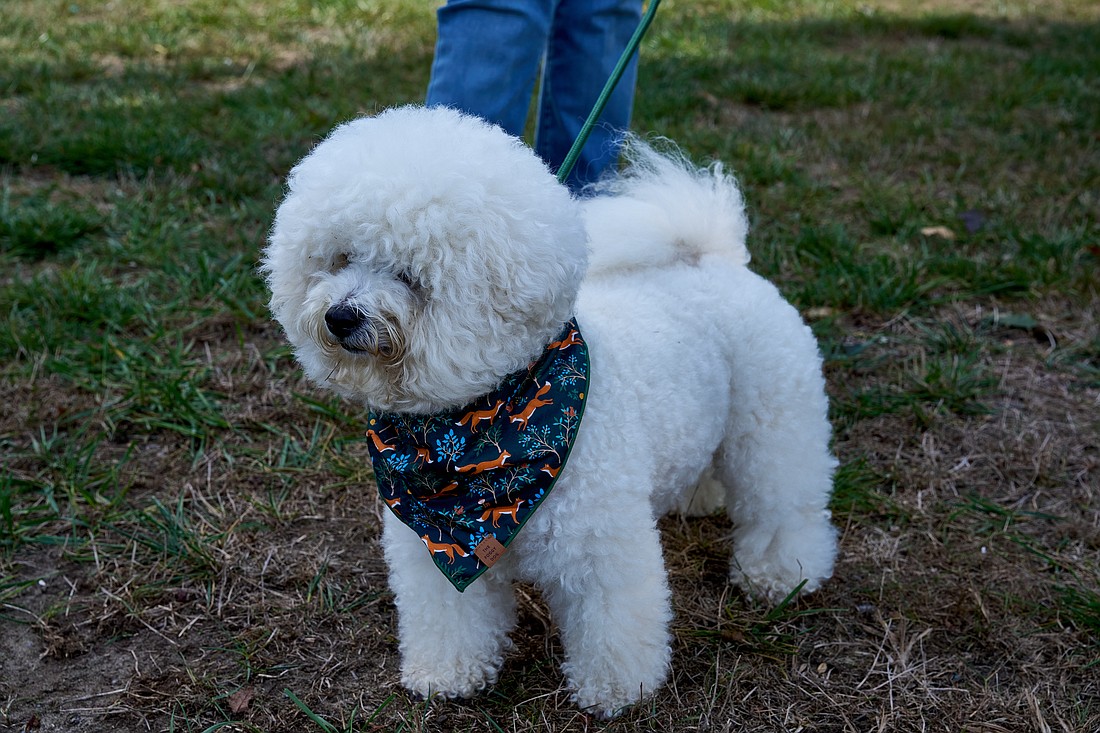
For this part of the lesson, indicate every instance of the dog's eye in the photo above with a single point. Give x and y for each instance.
(410, 282)
(339, 262)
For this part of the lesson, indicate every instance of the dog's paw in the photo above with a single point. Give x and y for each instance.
(601, 705)
(455, 681)
(604, 709)
(770, 565)
(605, 690)
(770, 586)
(607, 699)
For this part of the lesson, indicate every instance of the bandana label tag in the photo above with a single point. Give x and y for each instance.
(489, 550)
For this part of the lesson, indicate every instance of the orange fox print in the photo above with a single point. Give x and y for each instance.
(466, 480)
(476, 416)
(445, 547)
(496, 513)
(445, 491)
(573, 339)
(485, 465)
(524, 415)
(379, 446)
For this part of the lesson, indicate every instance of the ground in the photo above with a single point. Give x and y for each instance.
(189, 531)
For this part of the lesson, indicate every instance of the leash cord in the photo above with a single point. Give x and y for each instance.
(608, 88)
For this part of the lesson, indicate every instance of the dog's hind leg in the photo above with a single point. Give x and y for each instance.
(782, 532)
(706, 497)
(775, 460)
(452, 644)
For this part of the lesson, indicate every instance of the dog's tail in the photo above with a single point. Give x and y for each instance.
(662, 209)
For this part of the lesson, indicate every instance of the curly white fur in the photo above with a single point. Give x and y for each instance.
(422, 255)
(406, 237)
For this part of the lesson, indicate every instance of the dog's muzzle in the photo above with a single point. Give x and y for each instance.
(343, 321)
(357, 332)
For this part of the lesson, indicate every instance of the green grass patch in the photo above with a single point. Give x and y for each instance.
(36, 228)
(860, 493)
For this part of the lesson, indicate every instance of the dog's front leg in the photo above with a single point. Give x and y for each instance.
(452, 644)
(609, 593)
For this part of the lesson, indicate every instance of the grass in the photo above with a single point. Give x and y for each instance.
(188, 536)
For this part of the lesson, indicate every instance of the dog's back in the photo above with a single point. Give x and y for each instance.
(661, 211)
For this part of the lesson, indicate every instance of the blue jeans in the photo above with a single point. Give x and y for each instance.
(489, 53)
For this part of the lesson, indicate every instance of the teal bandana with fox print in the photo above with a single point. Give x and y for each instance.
(467, 480)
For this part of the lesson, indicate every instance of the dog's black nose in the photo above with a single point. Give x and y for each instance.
(343, 320)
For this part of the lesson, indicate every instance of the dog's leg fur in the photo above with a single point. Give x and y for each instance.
(609, 596)
(775, 460)
(452, 644)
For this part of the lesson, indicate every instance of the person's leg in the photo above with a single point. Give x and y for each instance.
(586, 40)
(487, 58)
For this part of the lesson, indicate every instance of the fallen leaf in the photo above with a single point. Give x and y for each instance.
(814, 314)
(239, 700)
(939, 231)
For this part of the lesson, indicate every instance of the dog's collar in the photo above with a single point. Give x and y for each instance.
(467, 480)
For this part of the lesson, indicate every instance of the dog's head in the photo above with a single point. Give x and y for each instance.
(421, 256)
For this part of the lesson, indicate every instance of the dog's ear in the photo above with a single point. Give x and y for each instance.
(534, 277)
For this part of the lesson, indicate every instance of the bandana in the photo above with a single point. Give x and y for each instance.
(467, 480)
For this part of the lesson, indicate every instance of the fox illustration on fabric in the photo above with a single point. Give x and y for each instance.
(448, 549)
(484, 466)
(495, 513)
(476, 416)
(524, 415)
(447, 490)
(379, 445)
(423, 456)
(472, 476)
(573, 339)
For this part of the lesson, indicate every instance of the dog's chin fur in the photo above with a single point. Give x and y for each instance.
(462, 257)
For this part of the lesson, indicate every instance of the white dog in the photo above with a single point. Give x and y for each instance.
(422, 259)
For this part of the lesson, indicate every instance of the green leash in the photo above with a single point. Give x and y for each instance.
(601, 101)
